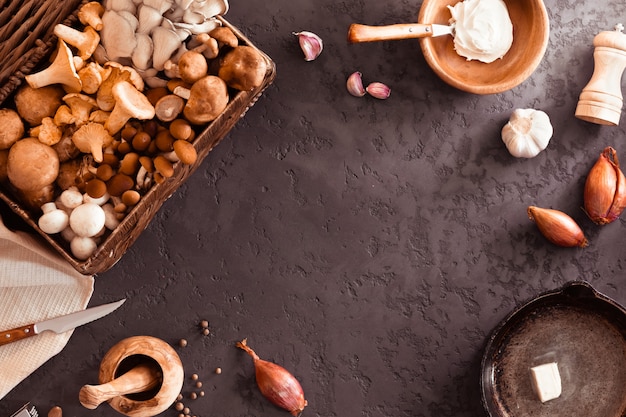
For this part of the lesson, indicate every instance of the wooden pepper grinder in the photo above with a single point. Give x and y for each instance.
(601, 100)
(140, 376)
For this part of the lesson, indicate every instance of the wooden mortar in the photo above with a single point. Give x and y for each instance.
(140, 376)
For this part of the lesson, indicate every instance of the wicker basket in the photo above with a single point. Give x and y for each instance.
(26, 39)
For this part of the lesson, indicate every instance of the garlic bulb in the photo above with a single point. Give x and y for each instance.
(527, 133)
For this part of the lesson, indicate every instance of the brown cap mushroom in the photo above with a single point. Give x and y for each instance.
(224, 36)
(208, 97)
(192, 66)
(243, 68)
(130, 103)
(168, 107)
(33, 104)
(32, 165)
(61, 71)
(12, 128)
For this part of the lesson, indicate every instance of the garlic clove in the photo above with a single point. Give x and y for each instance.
(311, 44)
(557, 227)
(378, 90)
(605, 189)
(355, 84)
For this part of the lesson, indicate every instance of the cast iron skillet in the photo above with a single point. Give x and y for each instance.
(581, 330)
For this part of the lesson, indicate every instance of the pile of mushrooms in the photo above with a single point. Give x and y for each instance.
(108, 118)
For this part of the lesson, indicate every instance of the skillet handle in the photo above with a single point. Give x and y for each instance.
(358, 33)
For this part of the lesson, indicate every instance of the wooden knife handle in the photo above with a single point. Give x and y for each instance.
(358, 33)
(139, 379)
(18, 333)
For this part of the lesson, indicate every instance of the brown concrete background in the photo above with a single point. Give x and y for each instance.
(370, 247)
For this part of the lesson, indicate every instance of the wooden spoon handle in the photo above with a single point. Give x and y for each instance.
(362, 33)
(139, 379)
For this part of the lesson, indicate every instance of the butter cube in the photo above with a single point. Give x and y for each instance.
(546, 381)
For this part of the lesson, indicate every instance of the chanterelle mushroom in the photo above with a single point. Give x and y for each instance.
(81, 106)
(92, 138)
(85, 41)
(61, 71)
(130, 103)
(91, 14)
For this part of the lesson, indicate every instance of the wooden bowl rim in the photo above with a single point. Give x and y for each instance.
(543, 26)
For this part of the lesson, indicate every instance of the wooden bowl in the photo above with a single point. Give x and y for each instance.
(531, 30)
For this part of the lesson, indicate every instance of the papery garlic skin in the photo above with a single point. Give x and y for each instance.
(378, 90)
(527, 133)
(605, 189)
(558, 227)
(355, 84)
(311, 44)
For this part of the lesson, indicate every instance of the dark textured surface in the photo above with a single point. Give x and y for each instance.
(370, 247)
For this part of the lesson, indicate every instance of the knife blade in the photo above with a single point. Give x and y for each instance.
(59, 324)
(363, 33)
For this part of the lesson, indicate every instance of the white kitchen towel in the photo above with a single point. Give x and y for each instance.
(36, 284)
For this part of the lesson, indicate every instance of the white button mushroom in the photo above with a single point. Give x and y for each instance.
(83, 247)
(53, 219)
(71, 198)
(87, 219)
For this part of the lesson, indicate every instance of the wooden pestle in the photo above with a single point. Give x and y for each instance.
(141, 378)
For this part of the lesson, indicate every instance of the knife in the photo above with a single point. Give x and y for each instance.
(362, 33)
(59, 324)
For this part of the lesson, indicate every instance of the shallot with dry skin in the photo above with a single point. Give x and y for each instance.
(557, 227)
(276, 383)
(605, 189)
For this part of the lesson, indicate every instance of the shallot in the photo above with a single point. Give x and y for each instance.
(605, 189)
(558, 227)
(276, 383)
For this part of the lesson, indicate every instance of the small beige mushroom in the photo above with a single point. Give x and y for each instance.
(208, 46)
(91, 14)
(85, 41)
(83, 247)
(61, 71)
(243, 68)
(225, 37)
(130, 103)
(168, 107)
(92, 138)
(81, 106)
(208, 97)
(192, 66)
(12, 128)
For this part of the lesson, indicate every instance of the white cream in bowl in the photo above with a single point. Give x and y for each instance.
(483, 29)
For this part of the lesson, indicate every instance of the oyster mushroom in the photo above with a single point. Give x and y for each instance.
(118, 34)
(92, 138)
(165, 43)
(61, 71)
(130, 103)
